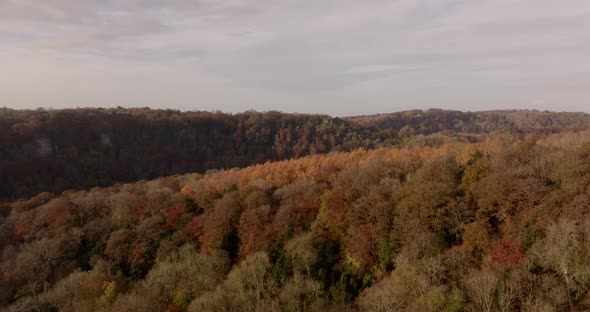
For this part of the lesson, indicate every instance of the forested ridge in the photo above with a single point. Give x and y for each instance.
(56, 150)
(495, 222)
(434, 120)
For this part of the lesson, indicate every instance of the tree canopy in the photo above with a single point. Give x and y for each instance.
(495, 224)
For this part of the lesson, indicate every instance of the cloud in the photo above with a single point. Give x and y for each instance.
(453, 53)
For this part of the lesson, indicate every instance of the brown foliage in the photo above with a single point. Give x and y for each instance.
(492, 225)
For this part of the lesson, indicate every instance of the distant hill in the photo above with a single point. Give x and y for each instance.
(435, 120)
(55, 150)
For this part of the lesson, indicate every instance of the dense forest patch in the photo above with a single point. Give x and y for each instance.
(500, 224)
(56, 150)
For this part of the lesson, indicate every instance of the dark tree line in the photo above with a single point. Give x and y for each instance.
(57, 150)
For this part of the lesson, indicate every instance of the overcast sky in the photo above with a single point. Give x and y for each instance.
(341, 57)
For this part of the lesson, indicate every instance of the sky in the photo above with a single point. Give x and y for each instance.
(344, 57)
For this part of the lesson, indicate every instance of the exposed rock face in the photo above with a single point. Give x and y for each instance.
(43, 147)
(105, 139)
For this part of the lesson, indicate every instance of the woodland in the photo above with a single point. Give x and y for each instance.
(159, 210)
(57, 150)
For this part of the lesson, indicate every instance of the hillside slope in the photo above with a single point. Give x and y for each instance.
(56, 150)
(500, 224)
